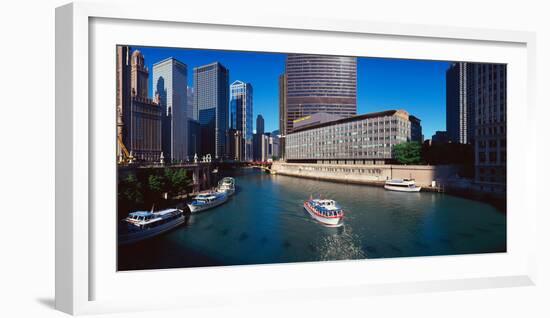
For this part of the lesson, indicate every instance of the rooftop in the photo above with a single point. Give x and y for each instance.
(355, 118)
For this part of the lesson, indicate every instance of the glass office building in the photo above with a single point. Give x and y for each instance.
(170, 83)
(212, 102)
(241, 114)
(363, 139)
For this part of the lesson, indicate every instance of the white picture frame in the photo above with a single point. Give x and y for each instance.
(77, 254)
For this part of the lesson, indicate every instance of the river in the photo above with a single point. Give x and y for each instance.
(264, 222)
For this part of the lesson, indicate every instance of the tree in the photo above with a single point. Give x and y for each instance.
(408, 153)
(130, 190)
(177, 181)
(157, 184)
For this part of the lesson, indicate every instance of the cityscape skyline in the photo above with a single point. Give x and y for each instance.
(415, 85)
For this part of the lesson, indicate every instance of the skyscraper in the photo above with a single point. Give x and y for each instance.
(488, 96)
(476, 114)
(211, 101)
(138, 116)
(320, 84)
(282, 104)
(282, 114)
(241, 115)
(260, 124)
(460, 111)
(170, 82)
(191, 111)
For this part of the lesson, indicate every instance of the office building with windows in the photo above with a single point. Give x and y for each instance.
(416, 129)
(211, 85)
(363, 139)
(241, 107)
(138, 116)
(319, 84)
(459, 109)
(170, 83)
(282, 114)
(191, 111)
(488, 96)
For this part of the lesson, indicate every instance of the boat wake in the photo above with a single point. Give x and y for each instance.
(343, 246)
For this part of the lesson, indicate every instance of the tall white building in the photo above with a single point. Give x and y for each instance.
(170, 82)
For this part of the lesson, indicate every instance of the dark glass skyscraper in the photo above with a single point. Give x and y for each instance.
(212, 101)
(260, 124)
(241, 107)
(320, 84)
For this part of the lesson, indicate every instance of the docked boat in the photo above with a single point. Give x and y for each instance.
(403, 185)
(227, 185)
(325, 211)
(207, 201)
(141, 225)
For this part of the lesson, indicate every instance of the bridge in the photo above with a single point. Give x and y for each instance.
(263, 165)
(201, 172)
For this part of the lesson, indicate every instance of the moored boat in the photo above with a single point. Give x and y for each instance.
(141, 225)
(227, 185)
(325, 211)
(207, 201)
(403, 185)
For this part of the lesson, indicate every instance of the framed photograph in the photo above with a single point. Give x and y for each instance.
(241, 156)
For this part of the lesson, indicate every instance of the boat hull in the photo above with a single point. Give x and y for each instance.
(132, 238)
(195, 208)
(330, 222)
(402, 189)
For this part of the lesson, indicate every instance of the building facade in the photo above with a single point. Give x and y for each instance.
(261, 147)
(459, 110)
(138, 116)
(364, 139)
(211, 85)
(194, 138)
(170, 82)
(416, 129)
(260, 124)
(235, 145)
(191, 111)
(440, 137)
(488, 95)
(123, 95)
(319, 84)
(282, 113)
(241, 105)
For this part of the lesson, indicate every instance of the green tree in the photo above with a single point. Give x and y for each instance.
(130, 190)
(177, 181)
(157, 184)
(408, 153)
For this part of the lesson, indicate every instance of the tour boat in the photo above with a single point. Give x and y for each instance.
(141, 225)
(227, 185)
(325, 211)
(207, 201)
(403, 185)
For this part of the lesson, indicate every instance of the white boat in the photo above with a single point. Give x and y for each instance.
(141, 225)
(207, 201)
(227, 185)
(325, 211)
(403, 185)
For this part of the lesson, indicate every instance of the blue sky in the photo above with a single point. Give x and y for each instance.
(382, 84)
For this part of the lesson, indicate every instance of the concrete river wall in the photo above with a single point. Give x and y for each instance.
(367, 174)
